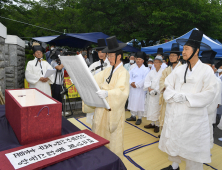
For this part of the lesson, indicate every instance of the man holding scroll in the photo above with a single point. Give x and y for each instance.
(114, 85)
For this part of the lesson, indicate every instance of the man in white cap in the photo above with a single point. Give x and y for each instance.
(151, 85)
(160, 54)
(150, 63)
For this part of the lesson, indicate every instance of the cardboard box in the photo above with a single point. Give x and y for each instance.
(33, 115)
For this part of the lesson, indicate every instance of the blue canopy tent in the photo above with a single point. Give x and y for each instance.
(167, 46)
(79, 40)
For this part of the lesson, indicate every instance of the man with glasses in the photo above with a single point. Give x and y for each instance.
(174, 58)
(151, 85)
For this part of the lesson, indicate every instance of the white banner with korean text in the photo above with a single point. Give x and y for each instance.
(30, 155)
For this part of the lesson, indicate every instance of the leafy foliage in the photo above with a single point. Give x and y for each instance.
(144, 20)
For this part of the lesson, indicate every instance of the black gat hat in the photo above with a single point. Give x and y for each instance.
(208, 56)
(113, 45)
(101, 44)
(195, 41)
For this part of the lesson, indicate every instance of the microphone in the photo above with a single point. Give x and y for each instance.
(103, 65)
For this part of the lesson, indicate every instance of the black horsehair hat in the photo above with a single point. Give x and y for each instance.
(208, 57)
(101, 44)
(159, 51)
(38, 48)
(195, 41)
(218, 64)
(132, 54)
(141, 54)
(113, 45)
(175, 48)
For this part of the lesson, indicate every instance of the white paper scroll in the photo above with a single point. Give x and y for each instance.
(49, 72)
(30, 155)
(83, 80)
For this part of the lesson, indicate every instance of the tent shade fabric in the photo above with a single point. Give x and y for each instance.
(216, 46)
(79, 40)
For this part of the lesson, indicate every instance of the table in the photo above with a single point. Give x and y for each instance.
(97, 159)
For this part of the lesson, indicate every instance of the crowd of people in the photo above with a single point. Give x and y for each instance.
(181, 97)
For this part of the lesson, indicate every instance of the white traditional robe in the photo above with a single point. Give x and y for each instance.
(89, 116)
(219, 110)
(212, 109)
(98, 63)
(186, 130)
(152, 107)
(137, 95)
(34, 73)
(220, 124)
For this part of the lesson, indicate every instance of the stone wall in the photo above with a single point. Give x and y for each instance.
(14, 66)
(2, 64)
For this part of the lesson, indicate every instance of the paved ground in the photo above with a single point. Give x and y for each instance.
(217, 132)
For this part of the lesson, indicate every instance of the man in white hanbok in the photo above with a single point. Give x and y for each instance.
(98, 66)
(189, 89)
(137, 95)
(219, 71)
(151, 85)
(208, 58)
(35, 72)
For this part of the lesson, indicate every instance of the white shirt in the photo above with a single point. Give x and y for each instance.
(194, 67)
(60, 74)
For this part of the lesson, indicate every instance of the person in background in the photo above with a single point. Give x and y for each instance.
(36, 70)
(137, 95)
(84, 54)
(159, 53)
(102, 59)
(59, 76)
(174, 58)
(151, 85)
(131, 62)
(150, 63)
(47, 54)
(208, 58)
(89, 55)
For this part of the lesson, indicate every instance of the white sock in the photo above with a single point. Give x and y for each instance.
(133, 114)
(139, 117)
(157, 123)
(152, 123)
(175, 165)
